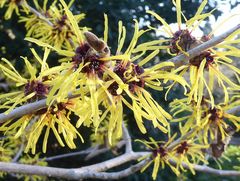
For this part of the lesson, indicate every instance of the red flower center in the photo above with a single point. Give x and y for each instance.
(126, 71)
(182, 148)
(38, 87)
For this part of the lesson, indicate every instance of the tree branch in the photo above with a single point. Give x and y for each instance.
(206, 169)
(82, 152)
(37, 13)
(127, 139)
(77, 173)
(23, 110)
(19, 153)
(120, 174)
(214, 171)
(27, 109)
(103, 150)
(97, 170)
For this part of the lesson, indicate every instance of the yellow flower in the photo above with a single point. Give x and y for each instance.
(130, 81)
(211, 124)
(160, 155)
(12, 5)
(53, 26)
(82, 66)
(189, 153)
(203, 69)
(185, 152)
(55, 118)
(182, 40)
(34, 88)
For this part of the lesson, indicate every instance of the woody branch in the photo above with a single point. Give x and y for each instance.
(97, 171)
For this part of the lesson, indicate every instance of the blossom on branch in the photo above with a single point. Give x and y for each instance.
(204, 68)
(110, 79)
(213, 126)
(34, 88)
(52, 25)
(186, 151)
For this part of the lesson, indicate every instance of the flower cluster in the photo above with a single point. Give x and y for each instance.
(213, 125)
(103, 82)
(52, 24)
(163, 153)
(204, 69)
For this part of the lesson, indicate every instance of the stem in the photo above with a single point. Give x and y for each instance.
(127, 139)
(19, 153)
(92, 171)
(97, 170)
(37, 13)
(27, 109)
(82, 152)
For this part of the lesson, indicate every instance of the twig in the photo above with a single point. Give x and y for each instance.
(3, 137)
(234, 110)
(82, 152)
(4, 86)
(235, 141)
(127, 139)
(120, 174)
(97, 152)
(206, 169)
(28, 109)
(97, 170)
(19, 153)
(37, 13)
(73, 174)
